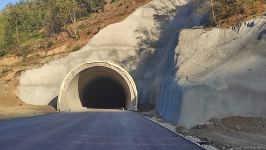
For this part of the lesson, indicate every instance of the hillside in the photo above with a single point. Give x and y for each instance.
(12, 64)
(195, 71)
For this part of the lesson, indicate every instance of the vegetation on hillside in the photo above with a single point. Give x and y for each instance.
(33, 20)
(225, 13)
(35, 24)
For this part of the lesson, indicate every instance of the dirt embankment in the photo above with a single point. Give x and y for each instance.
(231, 133)
(58, 46)
(234, 133)
(12, 107)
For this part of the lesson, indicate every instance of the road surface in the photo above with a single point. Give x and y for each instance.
(97, 130)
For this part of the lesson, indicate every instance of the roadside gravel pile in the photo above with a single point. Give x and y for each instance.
(232, 132)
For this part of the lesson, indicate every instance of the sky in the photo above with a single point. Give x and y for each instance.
(3, 3)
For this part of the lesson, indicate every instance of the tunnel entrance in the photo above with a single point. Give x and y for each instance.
(103, 93)
(101, 85)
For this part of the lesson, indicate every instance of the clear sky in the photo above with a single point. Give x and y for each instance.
(3, 3)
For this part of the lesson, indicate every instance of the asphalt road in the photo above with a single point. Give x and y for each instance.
(98, 130)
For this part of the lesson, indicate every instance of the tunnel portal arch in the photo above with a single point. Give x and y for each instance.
(97, 85)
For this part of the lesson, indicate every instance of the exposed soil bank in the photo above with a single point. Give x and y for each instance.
(24, 111)
(236, 133)
(233, 132)
(11, 107)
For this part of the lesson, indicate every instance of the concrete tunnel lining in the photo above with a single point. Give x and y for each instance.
(90, 84)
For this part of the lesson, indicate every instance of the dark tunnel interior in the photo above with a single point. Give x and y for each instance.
(103, 93)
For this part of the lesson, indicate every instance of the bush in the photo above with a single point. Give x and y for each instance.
(76, 48)
(49, 44)
(2, 53)
(112, 1)
(230, 12)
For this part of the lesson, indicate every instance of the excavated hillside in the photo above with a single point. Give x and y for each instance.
(191, 76)
(176, 64)
(11, 66)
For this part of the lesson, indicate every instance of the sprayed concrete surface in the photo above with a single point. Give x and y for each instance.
(190, 74)
(123, 130)
(223, 72)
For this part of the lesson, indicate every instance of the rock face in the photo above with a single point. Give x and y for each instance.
(190, 74)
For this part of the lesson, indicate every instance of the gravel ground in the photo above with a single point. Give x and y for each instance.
(235, 133)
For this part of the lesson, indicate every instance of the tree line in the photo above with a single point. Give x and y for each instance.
(36, 19)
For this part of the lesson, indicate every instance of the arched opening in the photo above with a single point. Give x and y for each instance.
(98, 85)
(104, 93)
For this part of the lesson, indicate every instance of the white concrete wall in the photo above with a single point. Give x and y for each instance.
(222, 72)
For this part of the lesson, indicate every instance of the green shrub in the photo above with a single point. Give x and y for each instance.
(76, 48)
(50, 44)
(113, 1)
(2, 53)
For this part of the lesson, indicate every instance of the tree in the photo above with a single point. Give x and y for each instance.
(31, 20)
(67, 9)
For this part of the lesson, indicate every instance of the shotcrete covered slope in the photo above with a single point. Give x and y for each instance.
(132, 44)
(222, 72)
(211, 73)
